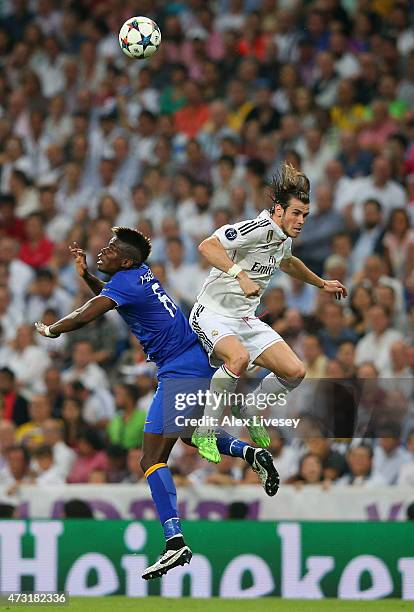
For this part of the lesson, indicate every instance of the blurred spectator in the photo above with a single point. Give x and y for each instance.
(90, 457)
(399, 244)
(63, 456)
(310, 471)
(36, 250)
(46, 471)
(314, 358)
(31, 433)
(314, 242)
(27, 361)
(135, 473)
(14, 406)
(84, 368)
(98, 404)
(126, 429)
(7, 438)
(376, 345)
(45, 293)
(117, 463)
(334, 330)
(406, 473)
(16, 469)
(360, 468)
(389, 455)
(73, 421)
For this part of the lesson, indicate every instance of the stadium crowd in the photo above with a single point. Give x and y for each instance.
(177, 147)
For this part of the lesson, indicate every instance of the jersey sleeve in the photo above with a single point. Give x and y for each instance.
(241, 235)
(118, 291)
(287, 249)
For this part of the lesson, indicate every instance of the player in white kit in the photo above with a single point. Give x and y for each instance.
(244, 257)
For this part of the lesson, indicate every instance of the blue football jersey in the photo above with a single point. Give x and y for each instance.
(150, 313)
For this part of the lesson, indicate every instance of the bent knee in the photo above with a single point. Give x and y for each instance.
(238, 363)
(297, 373)
(148, 461)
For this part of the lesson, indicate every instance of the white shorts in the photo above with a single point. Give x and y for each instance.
(210, 327)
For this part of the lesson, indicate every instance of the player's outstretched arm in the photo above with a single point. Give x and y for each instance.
(297, 269)
(93, 309)
(216, 255)
(79, 255)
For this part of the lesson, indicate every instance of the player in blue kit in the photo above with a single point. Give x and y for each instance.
(168, 340)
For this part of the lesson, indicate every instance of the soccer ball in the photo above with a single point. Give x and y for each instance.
(139, 37)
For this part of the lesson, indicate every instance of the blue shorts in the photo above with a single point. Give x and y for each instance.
(186, 375)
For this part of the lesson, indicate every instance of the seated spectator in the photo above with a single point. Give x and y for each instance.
(345, 356)
(127, 427)
(310, 471)
(333, 463)
(378, 186)
(10, 224)
(7, 438)
(406, 472)
(84, 368)
(359, 460)
(73, 420)
(45, 293)
(376, 345)
(46, 471)
(30, 434)
(16, 470)
(190, 119)
(27, 360)
(334, 330)
(117, 469)
(27, 198)
(314, 242)
(11, 313)
(360, 302)
(285, 456)
(135, 473)
(379, 127)
(98, 404)
(399, 244)
(314, 359)
(63, 456)
(389, 455)
(53, 389)
(91, 456)
(36, 250)
(355, 161)
(370, 235)
(14, 405)
(19, 274)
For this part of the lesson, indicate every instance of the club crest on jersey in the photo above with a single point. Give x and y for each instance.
(231, 233)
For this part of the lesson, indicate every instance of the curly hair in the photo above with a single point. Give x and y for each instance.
(289, 183)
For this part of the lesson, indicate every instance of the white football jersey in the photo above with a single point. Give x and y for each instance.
(257, 246)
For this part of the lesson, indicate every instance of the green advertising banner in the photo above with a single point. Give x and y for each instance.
(231, 559)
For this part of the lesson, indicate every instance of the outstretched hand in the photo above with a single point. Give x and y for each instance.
(79, 256)
(334, 286)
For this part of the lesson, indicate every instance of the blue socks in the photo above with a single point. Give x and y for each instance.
(227, 445)
(164, 496)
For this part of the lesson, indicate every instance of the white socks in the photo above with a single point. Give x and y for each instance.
(222, 383)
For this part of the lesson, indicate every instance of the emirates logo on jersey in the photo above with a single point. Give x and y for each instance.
(265, 269)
